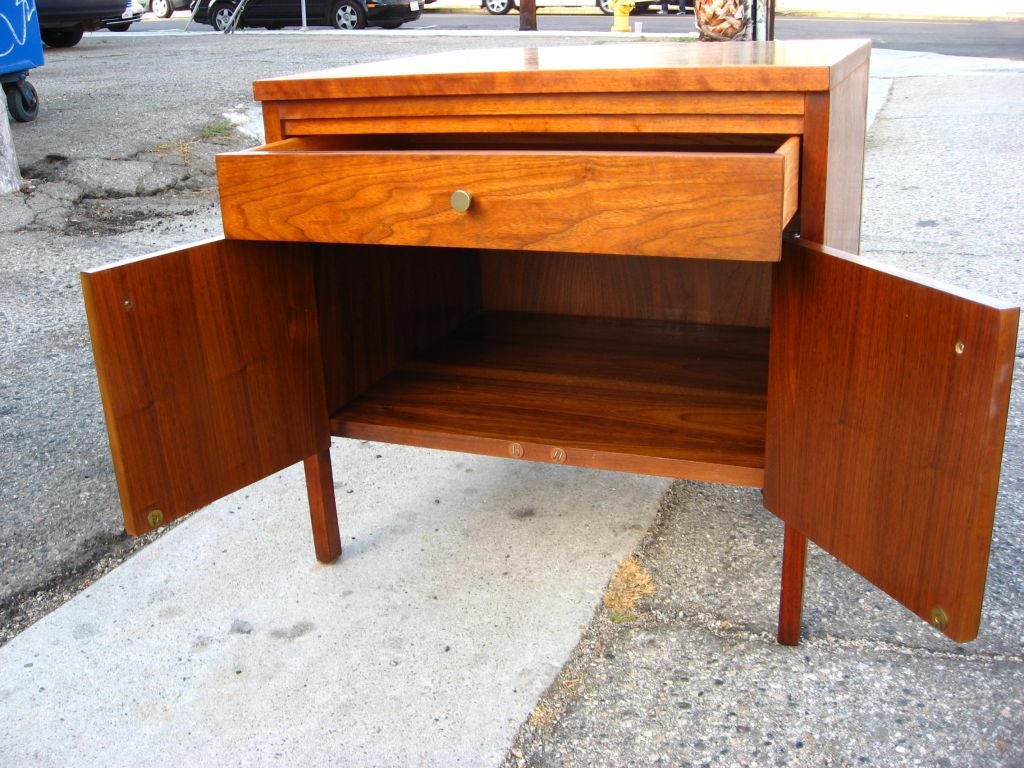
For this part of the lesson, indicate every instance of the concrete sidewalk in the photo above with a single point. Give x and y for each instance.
(467, 582)
(464, 585)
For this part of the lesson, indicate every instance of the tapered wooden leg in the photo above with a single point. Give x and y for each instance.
(791, 597)
(322, 508)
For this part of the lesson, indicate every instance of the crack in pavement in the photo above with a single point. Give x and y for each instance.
(66, 195)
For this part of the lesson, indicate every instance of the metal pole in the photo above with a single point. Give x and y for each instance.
(762, 19)
(304, 14)
(195, 10)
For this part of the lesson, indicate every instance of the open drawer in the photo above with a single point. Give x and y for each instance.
(665, 199)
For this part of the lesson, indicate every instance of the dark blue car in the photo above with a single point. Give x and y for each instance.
(63, 22)
(342, 14)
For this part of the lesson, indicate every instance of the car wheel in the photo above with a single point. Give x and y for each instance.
(22, 101)
(62, 38)
(348, 14)
(498, 7)
(119, 27)
(162, 8)
(220, 16)
(605, 6)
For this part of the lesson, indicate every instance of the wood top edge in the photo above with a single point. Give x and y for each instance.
(1010, 309)
(799, 65)
(212, 241)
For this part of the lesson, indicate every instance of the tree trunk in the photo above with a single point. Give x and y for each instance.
(527, 15)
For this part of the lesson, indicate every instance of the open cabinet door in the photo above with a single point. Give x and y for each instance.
(887, 405)
(210, 372)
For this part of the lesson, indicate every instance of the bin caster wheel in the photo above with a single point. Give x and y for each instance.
(22, 101)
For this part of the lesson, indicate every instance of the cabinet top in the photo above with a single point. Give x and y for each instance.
(798, 65)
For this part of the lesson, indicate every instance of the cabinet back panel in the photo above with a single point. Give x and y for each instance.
(673, 290)
(379, 305)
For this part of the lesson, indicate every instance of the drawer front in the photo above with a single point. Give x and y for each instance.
(708, 205)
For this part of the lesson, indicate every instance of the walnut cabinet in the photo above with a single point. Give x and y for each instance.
(635, 257)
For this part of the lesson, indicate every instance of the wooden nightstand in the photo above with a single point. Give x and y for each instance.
(632, 257)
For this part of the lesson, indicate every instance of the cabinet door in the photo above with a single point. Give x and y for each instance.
(887, 406)
(209, 368)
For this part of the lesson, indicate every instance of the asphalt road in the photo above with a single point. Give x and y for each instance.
(989, 39)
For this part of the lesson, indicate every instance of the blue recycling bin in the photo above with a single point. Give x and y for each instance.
(21, 49)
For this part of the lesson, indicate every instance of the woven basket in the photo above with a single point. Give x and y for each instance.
(720, 19)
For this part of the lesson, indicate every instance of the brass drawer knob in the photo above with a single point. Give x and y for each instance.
(461, 200)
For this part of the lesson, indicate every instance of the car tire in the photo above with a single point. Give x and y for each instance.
(605, 6)
(62, 38)
(348, 14)
(119, 27)
(163, 9)
(220, 16)
(22, 101)
(498, 7)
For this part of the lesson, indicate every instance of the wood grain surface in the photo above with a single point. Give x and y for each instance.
(722, 205)
(643, 396)
(209, 368)
(887, 410)
(791, 590)
(583, 104)
(604, 302)
(323, 508)
(709, 292)
(832, 174)
(632, 68)
(749, 123)
(380, 305)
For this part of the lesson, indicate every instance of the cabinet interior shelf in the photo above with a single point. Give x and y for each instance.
(680, 400)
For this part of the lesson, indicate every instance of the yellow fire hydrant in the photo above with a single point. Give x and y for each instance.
(622, 9)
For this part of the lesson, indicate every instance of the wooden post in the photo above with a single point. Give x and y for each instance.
(10, 174)
(527, 15)
(791, 596)
(323, 510)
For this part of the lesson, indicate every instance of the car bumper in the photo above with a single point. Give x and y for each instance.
(377, 13)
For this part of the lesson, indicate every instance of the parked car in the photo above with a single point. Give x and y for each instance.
(63, 22)
(342, 14)
(121, 23)
(164, 8)
(605, 6)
